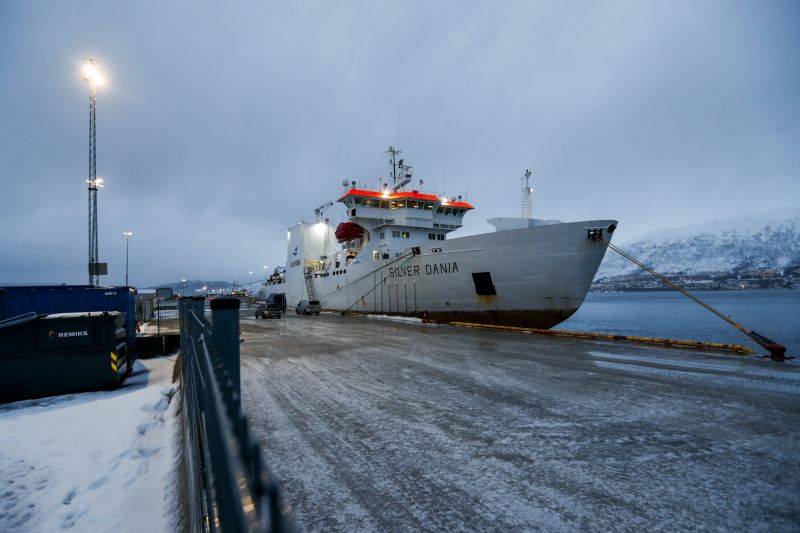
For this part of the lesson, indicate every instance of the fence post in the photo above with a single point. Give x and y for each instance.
(225, 329)
(198, 304)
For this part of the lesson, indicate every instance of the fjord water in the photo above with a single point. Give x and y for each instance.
(668, 314)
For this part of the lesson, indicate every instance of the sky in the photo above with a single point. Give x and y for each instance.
(221, 124)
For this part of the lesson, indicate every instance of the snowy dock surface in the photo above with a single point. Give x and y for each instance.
(94, 461)
(381, 425)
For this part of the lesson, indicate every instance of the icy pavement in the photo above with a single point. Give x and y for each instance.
(96, 461)
(377, 425)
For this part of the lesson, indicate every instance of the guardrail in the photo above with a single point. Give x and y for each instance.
(229, 487)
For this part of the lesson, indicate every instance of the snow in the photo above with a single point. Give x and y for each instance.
(406, 319)
(97, 461)
(771, 241)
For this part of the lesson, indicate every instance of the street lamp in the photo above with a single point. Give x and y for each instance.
(128, 235)
(182, 291)
(93, 77)
(265, 273)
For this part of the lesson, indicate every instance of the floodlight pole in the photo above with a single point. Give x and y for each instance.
(94, 277)
(128, 235)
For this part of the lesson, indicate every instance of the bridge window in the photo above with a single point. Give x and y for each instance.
(383, 235)
(404, 234)
(376, 254)
(396, 234)
(431, 236)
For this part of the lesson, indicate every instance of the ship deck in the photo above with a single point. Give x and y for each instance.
(384, 425)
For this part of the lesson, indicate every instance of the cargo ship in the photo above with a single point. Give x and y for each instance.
(392, 255)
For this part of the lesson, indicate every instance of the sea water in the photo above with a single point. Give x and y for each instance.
(669, 314)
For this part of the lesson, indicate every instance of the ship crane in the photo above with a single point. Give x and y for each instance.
(321, 209)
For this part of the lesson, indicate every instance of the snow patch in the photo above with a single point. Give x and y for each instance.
(97, 461)
(406, 319)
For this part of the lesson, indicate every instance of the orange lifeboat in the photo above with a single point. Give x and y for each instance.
(347, 231)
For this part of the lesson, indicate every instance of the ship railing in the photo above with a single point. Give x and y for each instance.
(228, 486)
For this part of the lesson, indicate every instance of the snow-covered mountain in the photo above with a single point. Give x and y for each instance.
(767, 241)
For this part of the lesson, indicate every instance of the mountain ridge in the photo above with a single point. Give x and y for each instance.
(767, 241)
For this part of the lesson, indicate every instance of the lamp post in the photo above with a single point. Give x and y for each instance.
(128, 235)
(265, 273)
(182, 290)
(93, 77)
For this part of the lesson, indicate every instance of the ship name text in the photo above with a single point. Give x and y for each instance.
(428, 270)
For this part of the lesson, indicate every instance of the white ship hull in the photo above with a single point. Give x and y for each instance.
(539, 275)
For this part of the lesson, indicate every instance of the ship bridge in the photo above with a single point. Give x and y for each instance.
(374, 210)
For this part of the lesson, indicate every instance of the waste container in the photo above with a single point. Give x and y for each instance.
(46, 299)
(46, 355)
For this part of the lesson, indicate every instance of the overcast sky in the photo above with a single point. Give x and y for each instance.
(220, 124)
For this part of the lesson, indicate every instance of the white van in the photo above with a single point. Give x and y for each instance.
(308, 307)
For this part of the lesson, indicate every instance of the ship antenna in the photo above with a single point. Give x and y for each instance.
(393, 160)
(527, 201)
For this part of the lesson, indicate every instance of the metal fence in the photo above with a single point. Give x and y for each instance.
(229, 488)
(157, 316)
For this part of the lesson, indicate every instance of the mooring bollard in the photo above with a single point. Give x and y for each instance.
(225, 329)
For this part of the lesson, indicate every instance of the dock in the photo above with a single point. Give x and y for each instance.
(384, 425)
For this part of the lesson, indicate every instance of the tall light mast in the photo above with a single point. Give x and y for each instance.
(527, 201)
(92, 76)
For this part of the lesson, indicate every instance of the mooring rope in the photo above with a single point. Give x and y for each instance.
(775, 349)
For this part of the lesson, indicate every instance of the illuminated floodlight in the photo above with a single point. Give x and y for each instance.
(91, 73)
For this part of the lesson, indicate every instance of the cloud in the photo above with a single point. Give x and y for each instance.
(220, 127)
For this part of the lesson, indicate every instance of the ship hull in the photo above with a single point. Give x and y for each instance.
(531, 277)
